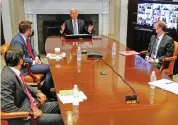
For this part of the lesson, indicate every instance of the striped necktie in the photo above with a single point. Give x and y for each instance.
(31, 99)
(75, 27)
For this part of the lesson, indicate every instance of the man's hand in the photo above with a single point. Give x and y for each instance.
(41, 97)
(150, 60)
(37, 60)
(90, 28)
(37, 113)
(62, 27)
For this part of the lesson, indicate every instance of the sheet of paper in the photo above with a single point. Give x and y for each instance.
(166, 84)
(69, 98)
(128, 53)
(54, 56)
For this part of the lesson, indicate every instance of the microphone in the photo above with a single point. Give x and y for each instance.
(133, 99)
(128, 99)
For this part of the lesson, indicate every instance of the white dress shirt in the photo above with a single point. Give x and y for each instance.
(17, 72)
(159, 41)
(25, 39)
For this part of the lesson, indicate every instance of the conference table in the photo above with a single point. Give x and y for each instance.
(105, 104)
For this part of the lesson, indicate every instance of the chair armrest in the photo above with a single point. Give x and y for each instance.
(29, 71)
(170, 59)
(144, 52)
(11, 115)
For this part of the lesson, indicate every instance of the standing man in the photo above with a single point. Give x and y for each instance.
(21, 40)
(75, 25)
(161, 46)
(17, 96)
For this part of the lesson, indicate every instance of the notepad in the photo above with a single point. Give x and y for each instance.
(128, 53)
(68, 98)
(166, 84)
(65, 92)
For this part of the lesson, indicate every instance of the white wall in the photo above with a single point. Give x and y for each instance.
(118, 13)
(123, 21)
(6, 20)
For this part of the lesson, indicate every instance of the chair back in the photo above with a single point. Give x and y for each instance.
(4, 49)
(169, 70)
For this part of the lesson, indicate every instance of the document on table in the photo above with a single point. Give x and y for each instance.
(128, 53)
(54, 56)
(68, 98)
(166, 84)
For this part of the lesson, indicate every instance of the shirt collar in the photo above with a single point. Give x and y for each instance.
(23, 37)
(75, 20)
(17, 72)
(160, 37)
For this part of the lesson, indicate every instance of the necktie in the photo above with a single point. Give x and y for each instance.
(75, 27)
(31, 99)
(153, 53)
(30, 50)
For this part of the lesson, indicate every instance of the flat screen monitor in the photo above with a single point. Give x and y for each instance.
(149, 12)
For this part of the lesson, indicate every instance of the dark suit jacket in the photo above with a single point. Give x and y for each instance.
(82, 29)
(13, 94)
(19, 42)
(165, 49)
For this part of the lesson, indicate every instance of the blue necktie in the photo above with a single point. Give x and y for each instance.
(153, 53)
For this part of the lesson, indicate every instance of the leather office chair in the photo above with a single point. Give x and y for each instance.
(30, 77)
(169, 70)
(12, 115)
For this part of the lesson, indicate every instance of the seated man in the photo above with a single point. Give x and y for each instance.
(161, 46)
(75, 25)
(16, 95)
(21, 40)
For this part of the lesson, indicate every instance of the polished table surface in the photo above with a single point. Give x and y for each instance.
(105, 104)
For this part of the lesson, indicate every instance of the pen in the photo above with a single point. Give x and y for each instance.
(169, 82)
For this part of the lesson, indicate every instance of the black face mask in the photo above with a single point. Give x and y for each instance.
(32, 33)
(154, 32)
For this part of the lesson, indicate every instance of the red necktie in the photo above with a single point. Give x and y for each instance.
(30, 50)
(31, 99)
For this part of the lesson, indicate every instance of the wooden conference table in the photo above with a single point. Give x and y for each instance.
(105, 104)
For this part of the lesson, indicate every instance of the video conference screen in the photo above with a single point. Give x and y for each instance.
(150, 12)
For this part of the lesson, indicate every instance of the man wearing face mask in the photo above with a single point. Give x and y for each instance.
(17, 96)
(75, 25)
(21, 40)
(161, 45)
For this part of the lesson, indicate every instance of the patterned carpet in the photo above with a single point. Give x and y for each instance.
(44, 60)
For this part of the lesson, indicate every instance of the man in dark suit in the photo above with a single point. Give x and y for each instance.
(21, 40)
(16, 95)
(161, 45)
(75, 25)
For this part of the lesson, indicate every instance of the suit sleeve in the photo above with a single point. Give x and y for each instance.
(169, 50)
(7, 96)
(32, 91)
(20, 46)
(86, 28)
(149, 47)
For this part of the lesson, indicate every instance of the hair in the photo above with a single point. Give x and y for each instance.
(73, 9)
(161, 24)
(24, 25)
(13, 56)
